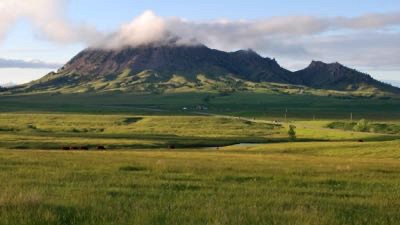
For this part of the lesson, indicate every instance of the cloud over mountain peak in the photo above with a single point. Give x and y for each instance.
(287, 37)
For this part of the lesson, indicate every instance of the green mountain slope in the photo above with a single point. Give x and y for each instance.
(176, 68)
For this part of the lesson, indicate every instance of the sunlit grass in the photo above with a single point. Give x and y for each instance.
(297, 183)
(324, 176)
(53, 131)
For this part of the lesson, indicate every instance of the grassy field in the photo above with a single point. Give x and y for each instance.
(388, 128)
(271, 106)
(231, 164)
(55, 131)
(291, 183)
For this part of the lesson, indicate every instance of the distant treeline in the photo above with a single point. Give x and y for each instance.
(365, 126)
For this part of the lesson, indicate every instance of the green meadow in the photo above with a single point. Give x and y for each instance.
(53, 131)
(249, 104)
(199, 158)
(290, 183)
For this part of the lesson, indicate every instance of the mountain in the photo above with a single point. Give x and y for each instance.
(157, 68)
(8, 85)
(335, 76)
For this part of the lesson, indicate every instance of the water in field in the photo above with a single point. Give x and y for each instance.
(247, 144)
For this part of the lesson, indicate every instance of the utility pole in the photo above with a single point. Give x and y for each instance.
(286, 115)
(351, 117)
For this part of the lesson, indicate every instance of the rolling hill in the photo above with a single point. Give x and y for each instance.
(171, 67)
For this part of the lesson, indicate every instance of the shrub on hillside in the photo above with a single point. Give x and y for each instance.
(362, 126)
(292, 132)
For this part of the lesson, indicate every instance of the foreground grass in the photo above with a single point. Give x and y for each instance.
(292, 183)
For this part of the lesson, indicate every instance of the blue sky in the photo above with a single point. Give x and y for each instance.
(368, 47)
(124, 10)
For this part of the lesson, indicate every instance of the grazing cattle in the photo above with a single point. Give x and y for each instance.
(84, 148)
(66, 148)
(101, 147)
(360, 140)
(74, 148)
(171, 146)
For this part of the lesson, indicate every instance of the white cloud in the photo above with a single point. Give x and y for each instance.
(234, 32)
(47, 18)
(369, 40)
(144, 29)
(368, 21)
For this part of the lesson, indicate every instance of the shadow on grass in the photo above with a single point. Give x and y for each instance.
(133, 168)
(36, 213)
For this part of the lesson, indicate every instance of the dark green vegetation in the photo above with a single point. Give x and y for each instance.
(292, 183)
(365, 126)
(272, 106)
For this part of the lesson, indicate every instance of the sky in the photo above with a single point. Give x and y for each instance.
(39, 36)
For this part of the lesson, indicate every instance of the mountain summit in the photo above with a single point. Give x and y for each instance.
(192, 67)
